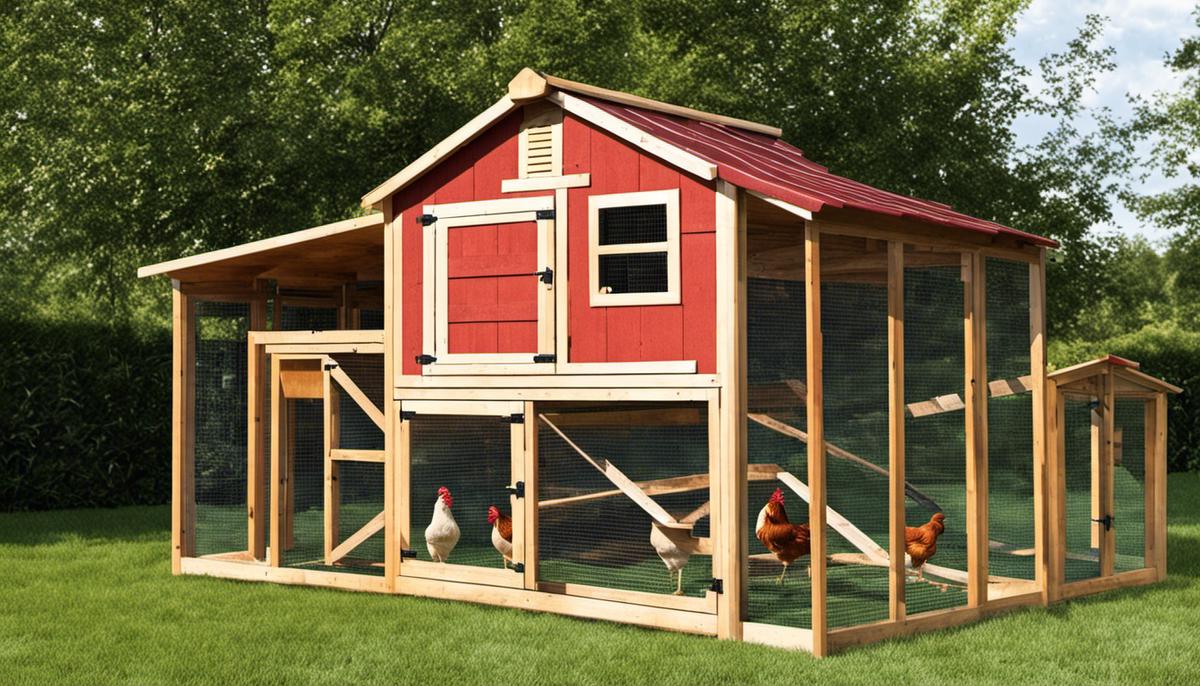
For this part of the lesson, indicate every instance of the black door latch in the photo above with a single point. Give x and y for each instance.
(546, 276)
(1106, 520)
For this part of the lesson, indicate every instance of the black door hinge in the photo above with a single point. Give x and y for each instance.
(426, 219)
(546, 276)
(406, 415)
(545, 357)
(517, 489)
(517, 418)
(519, 567)
(424, 359)
(408, 552)
(545, 214)
(330, 365)
(717, 586)
(1106, 520)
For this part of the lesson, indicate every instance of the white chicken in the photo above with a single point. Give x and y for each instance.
(442, 533)
(675, 547)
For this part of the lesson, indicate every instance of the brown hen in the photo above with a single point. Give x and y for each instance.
(786, 540)
(920, 542)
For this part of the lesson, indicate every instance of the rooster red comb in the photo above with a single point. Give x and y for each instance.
(777, 496)
(444, 494)
(493, 514)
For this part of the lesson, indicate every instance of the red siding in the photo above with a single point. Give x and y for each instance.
(611, 334)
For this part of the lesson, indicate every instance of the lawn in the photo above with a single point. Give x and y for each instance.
(87, 597)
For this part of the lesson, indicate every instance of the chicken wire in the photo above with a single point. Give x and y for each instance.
(777, 368)
(220, 427)
(606, 541)
(1129, 484)
(298, 318)
(935, 443)
(360, 484)
(304, 490)
(1082, 557)
(472, 457)
(1010, 421)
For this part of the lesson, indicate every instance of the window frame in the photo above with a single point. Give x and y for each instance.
(671, 296)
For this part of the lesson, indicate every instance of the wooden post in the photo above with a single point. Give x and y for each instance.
(731, 367)
(256, 507)
(183, 426)
(1160, 484)
(526, 453)
(1097, 492)
(896, 415)
(291, 425)
(1037, 373)
(1108, 548)
(394, 471)
(816, 436)
(975, 339)
(332, 440)
(1055, 499)
(278, 474)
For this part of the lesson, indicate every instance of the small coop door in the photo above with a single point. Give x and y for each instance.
(464, 465)
(491, 298)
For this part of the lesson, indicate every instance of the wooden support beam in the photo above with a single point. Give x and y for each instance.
(278, 474)
(395, 431)
(975, 357)
(372, 527)
(816, 436)
(522, 463)
(1160, 486)
(183, 426)
(356, 394)
(896, 418)
(674, 484)
(256, 435)
(1108, 538)
(1041, 445)
(353, 455)
(333, 491)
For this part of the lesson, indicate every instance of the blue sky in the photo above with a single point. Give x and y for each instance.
(1142, 31)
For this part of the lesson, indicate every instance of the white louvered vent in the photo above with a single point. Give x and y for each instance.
(541, 143)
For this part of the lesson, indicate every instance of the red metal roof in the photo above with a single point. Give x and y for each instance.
(772, 167)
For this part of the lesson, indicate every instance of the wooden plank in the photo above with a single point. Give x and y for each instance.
(839, 523)
(446, 147)
(562, 317)
(278, 474)
(1101, 584)
(183, 365)
(256, 571)
(897, 580)
(707, 604)
(552, 381)
(256, 435)
(302, 383)
(816, 436)
(360, 398)
(1041, 461)
(316, 338)
(953, 402)
(1097, 473)
(622, 482)
(776, 636)
(671, 416)
(530, 504)
(1160, 486)
(975, 359)
(372, 527)
(395, 432)
(651, 367)
(353, 455)
(333, 493)
(1149, 483)
(326, 348)
(785, 206)
(496, 577)
(1108, 538)
(545, 183)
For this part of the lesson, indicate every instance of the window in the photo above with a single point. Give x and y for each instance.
(634, 248)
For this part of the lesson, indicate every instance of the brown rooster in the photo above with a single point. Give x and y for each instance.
(501, 533)
(920, 542)
(786, 540)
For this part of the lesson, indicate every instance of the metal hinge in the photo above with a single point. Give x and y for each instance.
(717, 586)
(517, 489)
(516, 418)
(424, 359)
(406, 415)
(330, 365)
(1106, 520)
(426, 219)
(546, 276)
(545, 357)
(408, 552)
(519, 567)
(545, 214)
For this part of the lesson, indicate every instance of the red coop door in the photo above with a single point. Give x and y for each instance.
(493, 282)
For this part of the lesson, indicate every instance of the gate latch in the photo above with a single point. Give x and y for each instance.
(519, 567)
(424, 359)
(717, 586)
(426, 219)
(546, 276)
(408, 552)
(517, 489)
(1106, 520)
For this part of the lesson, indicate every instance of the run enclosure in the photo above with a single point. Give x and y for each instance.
(611, 328)
(588, 471)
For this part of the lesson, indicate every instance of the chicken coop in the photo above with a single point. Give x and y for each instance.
(618, 359)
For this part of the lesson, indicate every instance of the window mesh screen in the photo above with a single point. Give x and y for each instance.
(220, 433)
(592, 534)
(1010, 421)
(1082, 557)
(634, 272)
(633, 224)
(935, 443)
(1129, 484)
(472, 457)
(308, 318)
(370, 319)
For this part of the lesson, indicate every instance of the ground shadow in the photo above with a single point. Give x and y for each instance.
(141, 523)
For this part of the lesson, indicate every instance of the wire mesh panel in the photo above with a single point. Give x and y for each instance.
(777, 366)
(470, 457)
(220, 433)
(304, 497)
(1129, 484)
(592, 530)
(370, 319)
(935, 430)
(1083, 554)
(359, 484)
(1010, 421)
(854, 326)
(297, 318)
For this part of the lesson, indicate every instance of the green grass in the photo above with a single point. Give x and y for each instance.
(87, 597)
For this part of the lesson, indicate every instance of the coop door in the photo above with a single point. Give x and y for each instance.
(491, 296)
(465, 481)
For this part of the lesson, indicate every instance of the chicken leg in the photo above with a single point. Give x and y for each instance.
(785, 568)
(679, 583)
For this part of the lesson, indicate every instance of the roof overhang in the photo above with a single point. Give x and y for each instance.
(1127, 371)
(345, 251)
